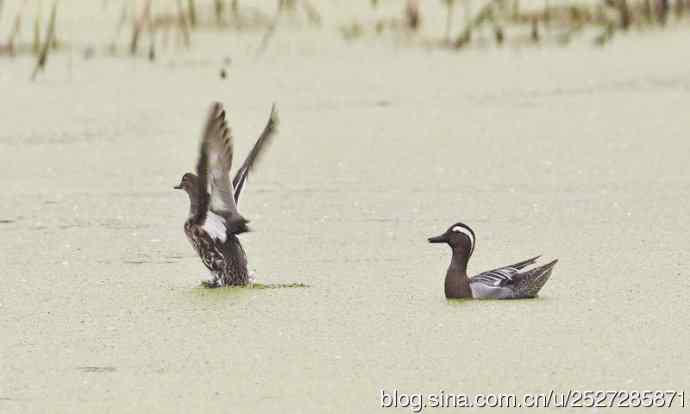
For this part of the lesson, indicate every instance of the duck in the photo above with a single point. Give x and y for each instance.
(214, 221)
(516, 281)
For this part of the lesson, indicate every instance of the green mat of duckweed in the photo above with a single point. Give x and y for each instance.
(261, 286)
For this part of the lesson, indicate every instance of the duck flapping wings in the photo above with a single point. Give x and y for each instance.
(217, 193)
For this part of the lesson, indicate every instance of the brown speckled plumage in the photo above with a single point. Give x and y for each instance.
(214, 220)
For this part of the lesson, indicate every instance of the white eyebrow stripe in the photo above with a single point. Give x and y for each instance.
(466, 232)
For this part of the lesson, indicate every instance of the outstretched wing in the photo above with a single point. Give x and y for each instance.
(255, 154)
(213, 168)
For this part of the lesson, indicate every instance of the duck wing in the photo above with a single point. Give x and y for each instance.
(520, 265)
(213, 169)
(503, 276)
(494, 284)
(528, 284)
(510, 282)
(497, 278)
(255, 154)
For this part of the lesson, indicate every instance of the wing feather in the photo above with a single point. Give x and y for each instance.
(255, 154)
(528, 284)
(497, 277)
(213, 168)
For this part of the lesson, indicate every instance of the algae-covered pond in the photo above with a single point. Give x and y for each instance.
(577, 153)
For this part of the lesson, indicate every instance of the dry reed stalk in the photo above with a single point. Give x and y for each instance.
(191, 10)
(219, 11)
(450, 8)
(183, 24)
(412, 16)
(49, 40)
(499, 35)
(36, 43)
(640, 13)
(515, 9)
(138, 26)
(151, 26)
(625, 14)
(16, 29)
(485, 14)
(606, 35)
(466, 35)
(679, 8)
(268, 35)
(124, 14)
(312, 13)
(120, 25)
(662, 9)
(288, 5)
(535, 30)
(152, 45)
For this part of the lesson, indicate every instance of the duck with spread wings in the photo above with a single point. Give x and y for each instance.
(214, 221)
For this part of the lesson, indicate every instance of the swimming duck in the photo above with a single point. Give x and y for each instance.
(509, 282)
(214, 220)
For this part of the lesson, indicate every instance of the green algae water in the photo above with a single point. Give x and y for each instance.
(578, 154)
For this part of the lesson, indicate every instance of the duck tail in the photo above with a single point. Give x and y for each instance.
(535, 279)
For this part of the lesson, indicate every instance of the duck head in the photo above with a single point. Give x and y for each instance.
(192, 185)
(189, 183)
(460, 237)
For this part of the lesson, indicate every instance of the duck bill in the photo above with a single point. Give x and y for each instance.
(438, 239)
(178, 187)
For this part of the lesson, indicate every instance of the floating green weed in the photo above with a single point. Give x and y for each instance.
(205, 284)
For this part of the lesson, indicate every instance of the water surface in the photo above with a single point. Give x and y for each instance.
(578, 153)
